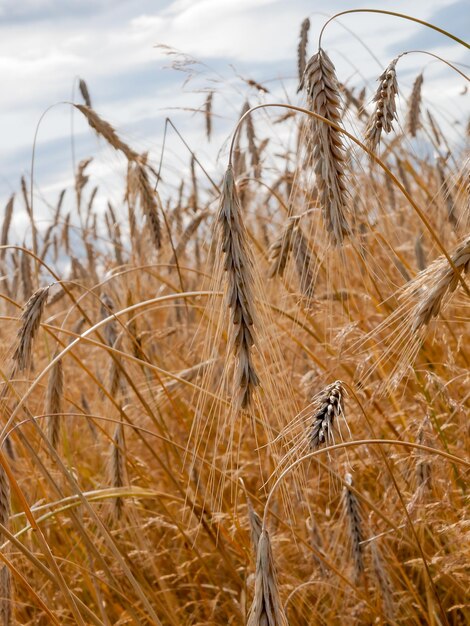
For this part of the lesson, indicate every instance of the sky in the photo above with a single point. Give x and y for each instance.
(113, 44)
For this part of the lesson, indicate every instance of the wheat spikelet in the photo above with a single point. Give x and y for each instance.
(327, 408)
(238, 266)
(83, 87)
(266, 608)
(149, 201)
(281, 248)
(385, 111)
(384, 582)
(446, 193)
(434, 128)
(6, 224)
(106, 131)
(303, 262)
(414, 110)
(30, 322)
(420, 253)
(53, 408)
(26, 275)
(256, 525)
(302, 48)
(351, 507)
(6, 612)
(208, 114)
(321, 85)
(435, 283)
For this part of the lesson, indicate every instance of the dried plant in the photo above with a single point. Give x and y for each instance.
(321, 86)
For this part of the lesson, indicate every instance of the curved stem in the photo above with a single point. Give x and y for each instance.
(395, 14)
(436, 56)
(351, 444)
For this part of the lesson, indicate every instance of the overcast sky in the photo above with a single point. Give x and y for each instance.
(45, 44)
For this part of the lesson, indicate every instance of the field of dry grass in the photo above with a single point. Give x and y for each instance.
(245, 402)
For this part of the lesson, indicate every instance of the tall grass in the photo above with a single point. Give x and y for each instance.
(245, 399)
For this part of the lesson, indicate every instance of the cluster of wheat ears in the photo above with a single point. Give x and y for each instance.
(246, 400)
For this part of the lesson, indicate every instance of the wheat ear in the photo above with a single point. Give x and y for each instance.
(266, 609)
(328, 406)
(414, 111)
(323, 97)
(435, 283)
(54, 394)
(385, 111)
(353, 515)
(302, 48)
(6, 224)
(30, 322)
(238, 265)
(105, 130)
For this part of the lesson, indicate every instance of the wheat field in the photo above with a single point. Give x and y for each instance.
(243, 398)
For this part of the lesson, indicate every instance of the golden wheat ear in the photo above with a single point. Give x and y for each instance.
(385, 111)
(326, 144)
(266, 608)
(238, 266)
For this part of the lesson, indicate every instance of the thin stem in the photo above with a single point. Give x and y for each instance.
(395, 14)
